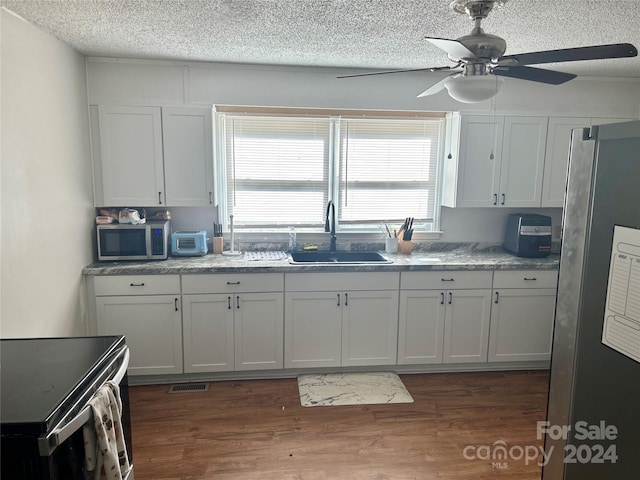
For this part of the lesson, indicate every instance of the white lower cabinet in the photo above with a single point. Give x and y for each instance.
(231, 322)
(240, 329)
(146, 310)
(522, 315)
(421, 327)
(344, 319)
(258, 324)
(466, 326)
(370, 328)
(444, 317)
(207, 324)
(312, 330)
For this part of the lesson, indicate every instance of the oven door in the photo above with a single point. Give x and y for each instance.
(62, 448)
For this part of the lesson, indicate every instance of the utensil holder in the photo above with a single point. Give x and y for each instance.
(405, 246)
(218, 245)
(391, 245)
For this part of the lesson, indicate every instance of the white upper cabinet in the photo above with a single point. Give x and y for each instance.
(557, 155)
(131, 156)
(500, 161)
(188, 156)
(522, 165)
(152, 156)
(557, 158)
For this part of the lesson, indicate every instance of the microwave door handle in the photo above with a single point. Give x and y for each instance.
(147, 237)
(58, 434)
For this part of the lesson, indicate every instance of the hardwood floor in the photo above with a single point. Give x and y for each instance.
(258, 430)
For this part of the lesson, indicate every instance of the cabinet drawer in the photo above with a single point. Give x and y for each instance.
(338, 282)
(137, 285)
(240, 282)
(445, 280)
(525, 279)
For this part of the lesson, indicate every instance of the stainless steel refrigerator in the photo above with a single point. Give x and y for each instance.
(593, 419)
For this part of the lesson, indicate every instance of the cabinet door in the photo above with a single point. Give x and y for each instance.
(557, 159)
(478, 169)
(523, 150)
(522, 324)
(188, 156)
(152, 327)
(131, 156)
(258, 319)
(313, 329)
(466, 326)
(207, 326)
(421, 328)
(370, 328)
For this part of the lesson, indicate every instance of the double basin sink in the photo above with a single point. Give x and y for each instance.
(339, 257)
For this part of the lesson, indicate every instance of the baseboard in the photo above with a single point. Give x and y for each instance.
(293, 373)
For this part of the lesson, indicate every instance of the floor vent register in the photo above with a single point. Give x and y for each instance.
(189, 387)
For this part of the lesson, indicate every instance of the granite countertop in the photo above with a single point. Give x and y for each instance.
(461, 259)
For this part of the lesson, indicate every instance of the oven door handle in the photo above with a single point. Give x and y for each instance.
(63, 429)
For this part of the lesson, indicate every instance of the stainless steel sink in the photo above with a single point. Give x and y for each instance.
(332, 258)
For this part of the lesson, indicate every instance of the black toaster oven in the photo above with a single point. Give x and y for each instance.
(528, 235)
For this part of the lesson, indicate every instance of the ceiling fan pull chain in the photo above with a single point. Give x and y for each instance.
(450, 134)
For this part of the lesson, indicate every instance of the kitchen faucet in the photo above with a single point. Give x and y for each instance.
(331, 227)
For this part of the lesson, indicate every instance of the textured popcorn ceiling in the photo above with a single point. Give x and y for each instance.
(374, 34)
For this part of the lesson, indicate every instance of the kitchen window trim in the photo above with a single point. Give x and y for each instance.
(359, 232)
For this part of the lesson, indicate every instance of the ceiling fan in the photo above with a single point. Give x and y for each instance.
(480, 61)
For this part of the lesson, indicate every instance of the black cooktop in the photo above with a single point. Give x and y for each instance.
(40, 377)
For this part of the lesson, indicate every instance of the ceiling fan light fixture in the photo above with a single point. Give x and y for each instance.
(474, 88)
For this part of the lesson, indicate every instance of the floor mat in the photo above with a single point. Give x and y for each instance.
(319, 390)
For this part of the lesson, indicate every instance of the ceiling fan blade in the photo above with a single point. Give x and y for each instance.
(532, 74)
(430, 69)
(454, 48)
(596, 52)
(436, 87)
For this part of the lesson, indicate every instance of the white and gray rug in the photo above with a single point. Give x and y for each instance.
(319, 390)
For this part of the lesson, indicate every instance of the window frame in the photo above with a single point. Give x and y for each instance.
(333, 176)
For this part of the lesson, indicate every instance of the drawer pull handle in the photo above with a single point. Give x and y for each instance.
(495, 198)
(503, 199)
(450, 297)
(233, 283)
(136, 284)
(338, 299)
(237, 301)
(175, 303)
(497, 297)
(447, 279)
(441, 298)
(160, 198)
(229, 302)
(346, 299)
(530, 279)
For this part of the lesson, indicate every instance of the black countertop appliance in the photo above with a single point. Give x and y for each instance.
(46, 386)
(528, 235)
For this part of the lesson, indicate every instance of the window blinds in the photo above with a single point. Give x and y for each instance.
(281, 169)
(277, 170)
(388, 170)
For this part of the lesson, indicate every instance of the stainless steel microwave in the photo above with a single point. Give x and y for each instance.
(148, 241)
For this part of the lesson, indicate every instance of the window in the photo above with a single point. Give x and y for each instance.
(281, 170)
(388, 170)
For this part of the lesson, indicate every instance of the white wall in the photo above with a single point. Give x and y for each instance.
(46, 191)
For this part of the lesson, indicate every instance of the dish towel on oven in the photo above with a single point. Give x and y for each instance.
(105, 450)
